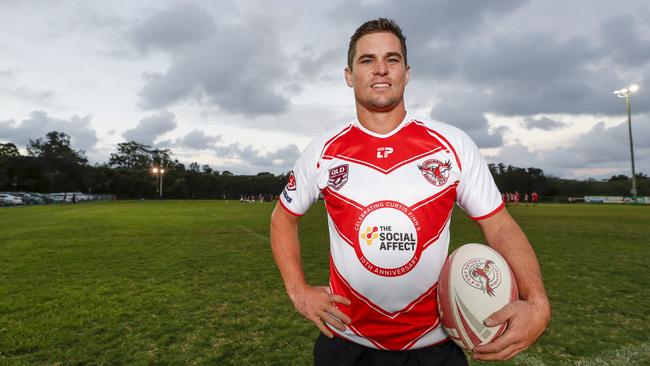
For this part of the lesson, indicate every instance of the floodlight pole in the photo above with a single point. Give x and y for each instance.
(625, 93)
(159, 174)
(629, 127)
(161, 182)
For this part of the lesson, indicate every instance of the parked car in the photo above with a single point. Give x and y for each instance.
(45, 198)
(60, 197)
(8, 199)
(32, 199)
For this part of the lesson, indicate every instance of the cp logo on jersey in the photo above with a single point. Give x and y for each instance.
(383, 152)
(338, 176)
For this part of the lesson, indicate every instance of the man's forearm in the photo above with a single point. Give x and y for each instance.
(285, 245)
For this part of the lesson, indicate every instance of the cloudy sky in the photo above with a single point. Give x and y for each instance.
(244, 85)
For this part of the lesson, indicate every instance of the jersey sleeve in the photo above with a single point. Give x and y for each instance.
(477, 193)
(302, 190)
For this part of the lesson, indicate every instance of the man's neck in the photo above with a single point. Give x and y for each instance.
(381, 122)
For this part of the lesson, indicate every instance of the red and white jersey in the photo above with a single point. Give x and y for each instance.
(389, 200)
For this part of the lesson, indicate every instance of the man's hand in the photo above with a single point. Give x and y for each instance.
(527, 321)
(316, 304)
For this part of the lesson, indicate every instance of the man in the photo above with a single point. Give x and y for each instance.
(389, 182)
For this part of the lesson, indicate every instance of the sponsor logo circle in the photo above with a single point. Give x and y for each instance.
(387, 239)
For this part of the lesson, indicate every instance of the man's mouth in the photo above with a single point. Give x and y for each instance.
(380, 85)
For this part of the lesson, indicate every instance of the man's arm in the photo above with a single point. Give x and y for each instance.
(313, 302)
(529, 316)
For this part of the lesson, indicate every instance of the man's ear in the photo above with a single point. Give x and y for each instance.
(348, 76)
(408, 74)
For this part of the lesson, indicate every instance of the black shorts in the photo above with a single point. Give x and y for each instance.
(340, 352)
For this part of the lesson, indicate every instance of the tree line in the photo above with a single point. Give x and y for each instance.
(52, 165)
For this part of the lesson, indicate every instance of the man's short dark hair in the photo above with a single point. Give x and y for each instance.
(375, 26)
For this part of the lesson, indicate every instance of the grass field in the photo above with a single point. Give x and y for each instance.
(194, 282)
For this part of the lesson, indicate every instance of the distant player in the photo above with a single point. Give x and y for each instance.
(526, 198)
(535, 198)
(390, 182)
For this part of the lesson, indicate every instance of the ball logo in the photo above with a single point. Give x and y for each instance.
(387, 243)
(482, 274)
(338, 176)
(291, 184)
(435, 171)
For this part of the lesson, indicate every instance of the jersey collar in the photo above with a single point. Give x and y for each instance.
(407, 119)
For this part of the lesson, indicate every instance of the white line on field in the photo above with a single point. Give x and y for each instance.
(257, 235)
(624, 356)
(634, 354)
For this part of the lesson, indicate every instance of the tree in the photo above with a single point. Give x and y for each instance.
(207, 169)
(9, 150)
(132, 155)
(56, 149)
(194, 167)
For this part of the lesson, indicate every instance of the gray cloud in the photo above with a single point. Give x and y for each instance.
(543, 123)
(178, 26)
(238, 67)
(195, 140)
(282, 158)
(623, 39)
(150, 128)
(39, 123)
(469, 117)
(600, 148)
(6, 73)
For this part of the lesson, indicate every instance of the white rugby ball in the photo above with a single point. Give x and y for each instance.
(475, 282)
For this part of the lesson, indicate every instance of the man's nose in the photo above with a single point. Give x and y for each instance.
(381, 68)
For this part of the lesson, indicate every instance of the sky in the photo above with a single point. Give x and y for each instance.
(244, 86)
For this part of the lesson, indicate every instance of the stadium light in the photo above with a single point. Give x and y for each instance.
(159, 173)
(625, 93)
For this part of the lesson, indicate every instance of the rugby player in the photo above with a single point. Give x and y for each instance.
(390, 181)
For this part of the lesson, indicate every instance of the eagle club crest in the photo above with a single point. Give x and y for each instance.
(482, 274)
(291, 183)
(435, 171)
(338, 176)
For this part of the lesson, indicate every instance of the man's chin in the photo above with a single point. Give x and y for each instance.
(383, 106)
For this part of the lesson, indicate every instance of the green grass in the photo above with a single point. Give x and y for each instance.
(183, 282)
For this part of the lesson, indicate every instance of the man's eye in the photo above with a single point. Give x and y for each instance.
(366, 61)
(393, 60)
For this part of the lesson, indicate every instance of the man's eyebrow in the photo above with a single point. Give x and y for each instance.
(366, 55)
(394, 54)
(388, 54)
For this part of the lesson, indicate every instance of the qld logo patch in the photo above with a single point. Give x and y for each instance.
(482, 274)
(435, 171)
(338, 176)
(291, 184)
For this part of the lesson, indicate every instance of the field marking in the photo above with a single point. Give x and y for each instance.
(624, 356)
(255, 234)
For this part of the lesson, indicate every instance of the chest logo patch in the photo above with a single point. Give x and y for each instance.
(338, 176)
(387, 243)
(435, 171)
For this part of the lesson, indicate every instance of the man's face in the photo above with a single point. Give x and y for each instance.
(379, 73)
